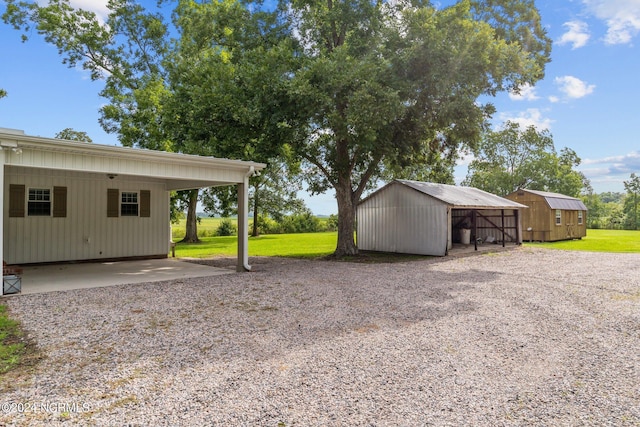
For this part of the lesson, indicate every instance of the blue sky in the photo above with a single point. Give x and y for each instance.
(588, 99)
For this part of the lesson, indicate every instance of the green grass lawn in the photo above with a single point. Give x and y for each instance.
(307, 245)
(313, 245)
(206, 227)
(598, 241)
(10, 345)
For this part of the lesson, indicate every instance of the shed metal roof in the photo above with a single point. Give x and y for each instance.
(560, 201)
(462, 197)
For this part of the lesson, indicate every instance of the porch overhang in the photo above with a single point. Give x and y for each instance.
(176, 171)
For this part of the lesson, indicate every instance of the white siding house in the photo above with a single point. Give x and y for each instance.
(70, 201)
(425, 218)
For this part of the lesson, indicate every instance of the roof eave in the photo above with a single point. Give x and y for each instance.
(50, 144)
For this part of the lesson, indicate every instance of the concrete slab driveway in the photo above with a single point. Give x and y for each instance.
(63, 277)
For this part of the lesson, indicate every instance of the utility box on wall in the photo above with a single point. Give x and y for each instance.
(11, 284)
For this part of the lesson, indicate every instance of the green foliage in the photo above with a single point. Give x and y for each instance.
(73, 135)
(383, 85)
(10, 345)
(300, 222)
(227, 228)
(605, 210)
(3, 93)
(632, 218)
(265, 225)
(331, 224)
(513, 158)
(609, 196)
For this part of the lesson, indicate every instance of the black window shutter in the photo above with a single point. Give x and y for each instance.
(113, 203)
(59, 202)
(145, 203)
(16, 201)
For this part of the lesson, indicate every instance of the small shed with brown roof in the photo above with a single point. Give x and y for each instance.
(551, 216)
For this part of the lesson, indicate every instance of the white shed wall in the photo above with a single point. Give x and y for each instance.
(399, 219)
(86, 232)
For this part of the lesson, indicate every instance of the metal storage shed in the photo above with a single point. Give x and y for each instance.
(426, 218)
(70, 201)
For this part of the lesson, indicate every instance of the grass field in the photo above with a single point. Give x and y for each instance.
(308, 245)
(312, 245)
(206, 228)
(598, 241)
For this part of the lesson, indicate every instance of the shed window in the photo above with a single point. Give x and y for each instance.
(579, 217)
(39, 202)
(129, 204)
(558, 217)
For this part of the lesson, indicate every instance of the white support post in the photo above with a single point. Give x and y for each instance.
(243, 224)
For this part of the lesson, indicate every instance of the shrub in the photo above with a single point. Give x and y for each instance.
(226, 228)
(332, 223)
(266, 225)
(304, 222)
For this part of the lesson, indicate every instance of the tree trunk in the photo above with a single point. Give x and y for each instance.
(191, 235)
(346, 220)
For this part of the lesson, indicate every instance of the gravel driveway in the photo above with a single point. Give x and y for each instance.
(523, 337)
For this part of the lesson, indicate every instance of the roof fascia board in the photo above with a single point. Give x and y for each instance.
(49, 144)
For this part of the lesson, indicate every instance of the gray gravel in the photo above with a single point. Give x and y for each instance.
(523, 337)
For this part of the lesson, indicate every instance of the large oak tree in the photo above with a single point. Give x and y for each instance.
(386, 83)
(194, 85)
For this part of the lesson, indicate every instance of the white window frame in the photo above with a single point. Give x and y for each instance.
(558, 216)
(127, 200)
(42, 195)
(580, 218)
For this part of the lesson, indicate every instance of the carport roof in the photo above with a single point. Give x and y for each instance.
(178, 171)
(461, 197)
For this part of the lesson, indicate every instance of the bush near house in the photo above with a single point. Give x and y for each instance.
(227, 227)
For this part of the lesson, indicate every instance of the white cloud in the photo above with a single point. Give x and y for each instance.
(609, 173)
(625, 163)
(622, 18)
(99, 7)
(529, 117)
(573, 87)
(577, 34)
(527, 93)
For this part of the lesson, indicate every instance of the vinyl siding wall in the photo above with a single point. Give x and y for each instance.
(85, 232)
